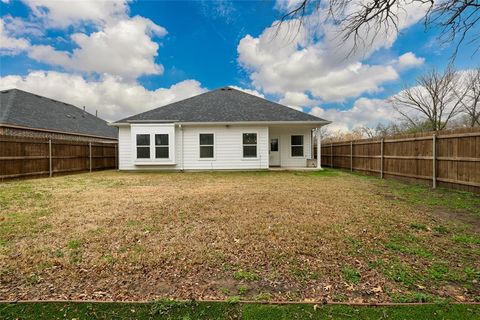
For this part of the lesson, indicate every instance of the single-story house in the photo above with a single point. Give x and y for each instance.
(25, 114)
(224, 129)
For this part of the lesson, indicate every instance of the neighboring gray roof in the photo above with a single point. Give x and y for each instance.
(223, 105)
(21, 108)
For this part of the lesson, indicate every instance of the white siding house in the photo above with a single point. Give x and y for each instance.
(230, 131)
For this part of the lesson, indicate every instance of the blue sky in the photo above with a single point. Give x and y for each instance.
(123, 57)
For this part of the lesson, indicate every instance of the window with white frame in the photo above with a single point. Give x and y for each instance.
(143, 146)
(249, 141)
(297, 146)
(161, 146)
(206, 145)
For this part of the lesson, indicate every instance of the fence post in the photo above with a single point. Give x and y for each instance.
(90, 155)
(351, 156)
(434, 164)
(50, 166)
(331, 155)
(381, 159)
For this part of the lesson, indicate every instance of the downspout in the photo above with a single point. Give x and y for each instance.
(319, 150)
(181, 130)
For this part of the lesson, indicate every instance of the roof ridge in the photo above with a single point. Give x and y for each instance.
(223, 103)
(9, 104)
(279, 104)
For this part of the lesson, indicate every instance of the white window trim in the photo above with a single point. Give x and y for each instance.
(155, 145)
(149, 146)
(242, 145)
(297, 145)
(207, 145)
(151, 130)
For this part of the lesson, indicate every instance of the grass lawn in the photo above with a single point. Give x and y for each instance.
(209, 310)
(289, 236)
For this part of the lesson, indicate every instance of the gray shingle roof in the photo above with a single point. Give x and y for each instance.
(21, 108)
(223, 105)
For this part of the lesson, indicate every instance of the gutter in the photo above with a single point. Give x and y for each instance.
(4, 125)
(128, 123)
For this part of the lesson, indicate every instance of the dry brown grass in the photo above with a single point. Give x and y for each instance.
(259, 235)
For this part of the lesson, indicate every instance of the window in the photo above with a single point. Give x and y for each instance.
(249, 145)
(143, 146)
(297, 146)
(274, 144)
(206, 145)
(161, 146)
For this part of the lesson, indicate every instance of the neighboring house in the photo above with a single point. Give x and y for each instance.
(29, 115)
(221, 129)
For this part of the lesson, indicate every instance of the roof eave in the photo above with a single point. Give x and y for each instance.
(130, 122)
(72, 133)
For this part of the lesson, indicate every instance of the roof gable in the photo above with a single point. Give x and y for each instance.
(223, 105)
(25, 109)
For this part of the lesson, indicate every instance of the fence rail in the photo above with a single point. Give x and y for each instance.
(26, 157)
(450, 158)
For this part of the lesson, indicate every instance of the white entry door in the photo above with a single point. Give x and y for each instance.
(274, 159)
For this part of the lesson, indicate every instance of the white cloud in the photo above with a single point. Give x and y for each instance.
(64, 13)
(112, 98)
(311, 58)
(250, 91)
(10, 45)
(299, 66)
(124, 48)
(19, 27)
(297, 100)
(409, 60)
(287, 5)
(364, 112)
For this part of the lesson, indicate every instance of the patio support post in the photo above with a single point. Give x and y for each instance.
(319, 149)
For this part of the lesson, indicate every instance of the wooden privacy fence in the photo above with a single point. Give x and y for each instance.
(450, 158)
(21, 157)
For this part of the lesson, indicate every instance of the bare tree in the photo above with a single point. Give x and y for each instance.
(365, 20)
(434, 100)
(471, 102)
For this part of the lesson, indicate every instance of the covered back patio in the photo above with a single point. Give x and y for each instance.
(292, 147)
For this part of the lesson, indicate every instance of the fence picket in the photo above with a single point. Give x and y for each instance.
(25, 157)
(448, 158)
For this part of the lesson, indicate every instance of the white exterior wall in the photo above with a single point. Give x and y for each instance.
(125, 160)
(284, 133)
(228, 148)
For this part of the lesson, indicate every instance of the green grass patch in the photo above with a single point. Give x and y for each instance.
(351, 275)
(441, 230)
(173, 310)
(408, 244)
(304, 273)
(322, 173)
(23, 204)
(246, 275)
(466, 239)
(75, 251)
(242, 290)
(435, 198)
(398, 272)
(418, 226)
